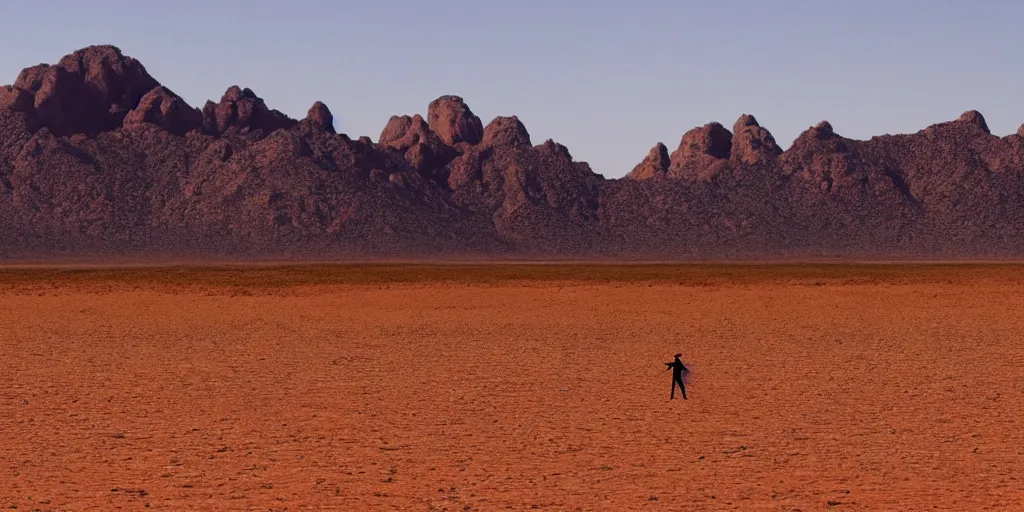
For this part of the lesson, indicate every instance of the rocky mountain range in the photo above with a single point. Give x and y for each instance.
(98, 159)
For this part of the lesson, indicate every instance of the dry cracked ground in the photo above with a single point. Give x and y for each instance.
(887, 387)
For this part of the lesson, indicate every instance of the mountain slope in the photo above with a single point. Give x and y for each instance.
(97, 158)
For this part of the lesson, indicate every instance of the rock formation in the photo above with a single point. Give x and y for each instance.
(655, 165)
(321, 117)
(453, 121)
(88, 91)
(98, 159)
(974, 118)
(506, 132)
(163, 108)
(241, 108)
(752, 144)
(701, 152)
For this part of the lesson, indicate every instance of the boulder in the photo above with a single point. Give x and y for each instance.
(404, 132)
(88, 91)
(453, 121)
(751, 143)
(320, 116)
(655, 165)
(973, 117)
(709, 142)
(506, 132)
(167, 110)
(242, 108)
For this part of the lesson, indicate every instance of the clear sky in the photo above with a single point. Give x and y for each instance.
(608, 80)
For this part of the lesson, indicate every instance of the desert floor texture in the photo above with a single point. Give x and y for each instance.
(512, 387)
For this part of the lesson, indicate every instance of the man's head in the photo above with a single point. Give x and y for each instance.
(678, 355)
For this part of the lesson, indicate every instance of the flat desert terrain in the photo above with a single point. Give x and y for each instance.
(512, 387)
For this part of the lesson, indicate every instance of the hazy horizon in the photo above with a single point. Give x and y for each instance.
(608, 82)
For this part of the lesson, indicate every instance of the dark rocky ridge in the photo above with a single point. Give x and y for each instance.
(98, 159)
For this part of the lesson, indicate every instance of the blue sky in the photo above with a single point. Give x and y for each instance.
(608, 80)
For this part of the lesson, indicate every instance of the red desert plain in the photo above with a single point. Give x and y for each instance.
(512, 387)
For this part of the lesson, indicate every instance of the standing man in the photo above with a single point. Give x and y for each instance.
(678, 370)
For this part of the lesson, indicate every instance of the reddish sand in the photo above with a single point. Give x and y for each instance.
(552, 395)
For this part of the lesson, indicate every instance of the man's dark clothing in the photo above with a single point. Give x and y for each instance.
(677, 377)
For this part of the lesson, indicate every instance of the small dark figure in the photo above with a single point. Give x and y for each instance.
(678, 370)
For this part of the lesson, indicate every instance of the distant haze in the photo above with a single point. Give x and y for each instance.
(608, 81)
